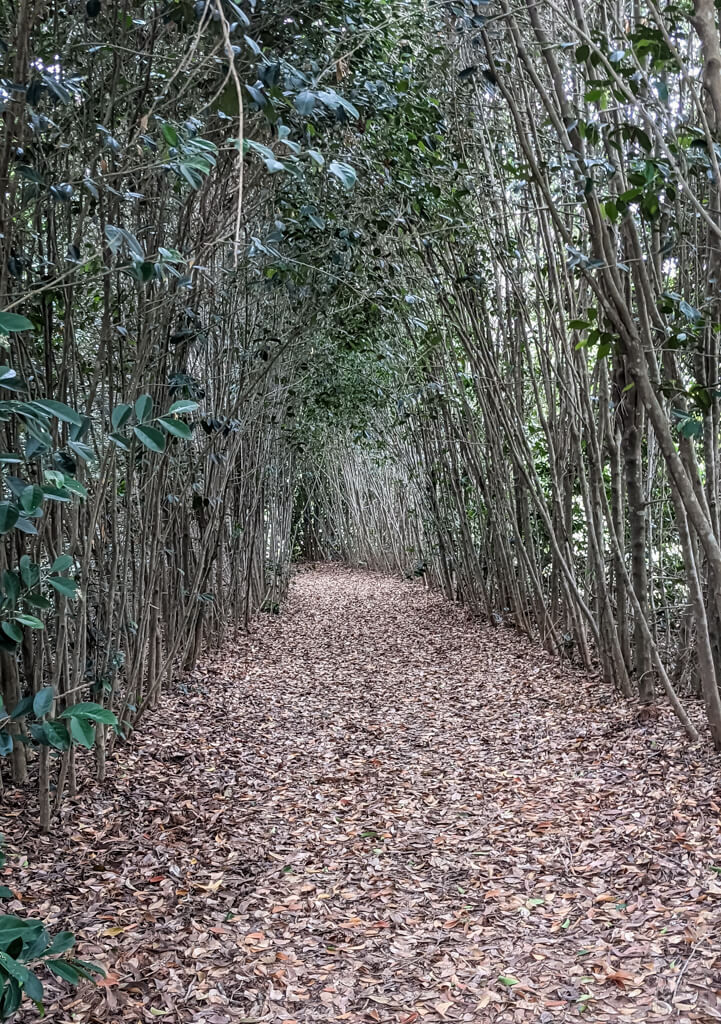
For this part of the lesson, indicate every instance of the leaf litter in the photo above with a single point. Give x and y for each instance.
(372, 808)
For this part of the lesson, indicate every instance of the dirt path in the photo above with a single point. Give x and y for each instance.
(374, 810)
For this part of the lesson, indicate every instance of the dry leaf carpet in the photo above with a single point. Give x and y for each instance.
(373, 809)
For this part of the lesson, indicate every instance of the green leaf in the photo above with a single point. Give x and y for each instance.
(29, 571)
(176, 427)
(120, 415)
(333, 100)
(9, 515)
(32, 498)
(62, 563)
(5, 893)
(690, 427)
(344, 172)
(56, 493)
(64, 970)
(151, 438)
(25, 526)
(83, 451)
(11, 585)
(171, 255)
(611, 210)
(184, 405)
(31, 621)
(91, 711)
(87, 970)
(33, 987)
(507, 980)
(275, 166)
(114, 236)
(12, 928)
(143, 408)
(170, 135)
(22, 707)
(6, 748)
(90, 969)
(304, 102)
(82, 732)
(120, 441)
(75, 486)
(62, 942)
(29, 981)
(43, 701)
(59, 410)
(13, 631)
(56, 734)
(35, 948)
(64, 585)
(10, 322)
(10, 999)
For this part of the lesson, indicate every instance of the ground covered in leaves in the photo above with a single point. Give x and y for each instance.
(374, 809)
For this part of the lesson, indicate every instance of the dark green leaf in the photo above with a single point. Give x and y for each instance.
(151, 438)
(8, 516)
(56, 734)
(32, 497)
(143, 408)
(62, 563)
(170, 135)
(93, 712)
(31, 621)
(43, 701)
(82, 732)
(62, 942)
(64, 585)
(59, 410)
(11, 322)
(120, 416)
(13, 631)
(22, 707)
(64, 971)
(176, 427)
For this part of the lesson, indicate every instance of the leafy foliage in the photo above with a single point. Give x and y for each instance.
(25, 945)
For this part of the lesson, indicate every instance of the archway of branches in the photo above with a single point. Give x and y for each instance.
(428, 287)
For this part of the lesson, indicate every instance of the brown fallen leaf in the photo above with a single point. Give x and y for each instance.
(460, 731)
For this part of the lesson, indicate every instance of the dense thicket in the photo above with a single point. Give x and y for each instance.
(428, 286)
(153, 350)
(547, 263)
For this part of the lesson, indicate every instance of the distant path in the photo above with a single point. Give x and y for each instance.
(373, 809)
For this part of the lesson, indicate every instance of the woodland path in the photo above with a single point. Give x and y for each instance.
(373, 809)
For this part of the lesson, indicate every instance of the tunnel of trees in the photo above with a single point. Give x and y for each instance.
(425, 286)
(431, 287)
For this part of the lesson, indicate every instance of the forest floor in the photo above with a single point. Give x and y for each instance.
(375, 809)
